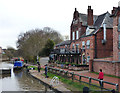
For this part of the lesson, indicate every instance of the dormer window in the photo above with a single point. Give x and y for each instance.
(89, 30)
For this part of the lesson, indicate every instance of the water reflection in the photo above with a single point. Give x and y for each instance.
(20, 81)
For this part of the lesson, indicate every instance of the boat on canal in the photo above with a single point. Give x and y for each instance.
(18, 65)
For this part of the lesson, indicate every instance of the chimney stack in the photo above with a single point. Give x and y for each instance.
(90, 16)
(76, 14)
(113, 11)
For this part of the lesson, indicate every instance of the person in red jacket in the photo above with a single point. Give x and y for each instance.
(101, 75)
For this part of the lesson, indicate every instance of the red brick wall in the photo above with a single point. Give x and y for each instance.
(105, 50)
(106, 59)
(115, 39)
(108, 67)
(91, 51)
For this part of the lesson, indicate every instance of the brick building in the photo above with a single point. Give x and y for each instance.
(0, 54)
(116, 33)
(91, 36)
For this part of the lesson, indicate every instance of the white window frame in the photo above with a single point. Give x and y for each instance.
(88, 58)
(83, 44)
(88, 44)
(73, 35)
(77, 34)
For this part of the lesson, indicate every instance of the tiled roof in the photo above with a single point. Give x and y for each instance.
(101, 19)
(115, 13)
(83, 18)
(67, 42)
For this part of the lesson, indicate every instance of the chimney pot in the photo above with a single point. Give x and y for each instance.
(89, 7)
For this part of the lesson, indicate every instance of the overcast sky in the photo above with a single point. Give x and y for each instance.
(17, 16)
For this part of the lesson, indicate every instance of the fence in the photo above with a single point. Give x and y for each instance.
(81, 78)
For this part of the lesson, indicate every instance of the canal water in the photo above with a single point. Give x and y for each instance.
(19, 81)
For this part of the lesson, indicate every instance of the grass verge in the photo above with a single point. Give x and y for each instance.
(73, 86)
(106, 75)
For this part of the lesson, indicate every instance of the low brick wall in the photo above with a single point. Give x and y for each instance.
(74, 68)
(108, 67)
(105, 59)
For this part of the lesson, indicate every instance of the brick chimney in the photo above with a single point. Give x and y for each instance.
(90, 16)
(114, 8)
(76, 14)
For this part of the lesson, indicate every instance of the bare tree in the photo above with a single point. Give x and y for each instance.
(31, 43)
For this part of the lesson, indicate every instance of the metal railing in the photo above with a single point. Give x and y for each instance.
(67, 50)
(80, 78)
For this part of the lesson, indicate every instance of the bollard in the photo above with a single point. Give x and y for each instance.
(89, 81)
(117, 87)
(79, 78)
(66, 73)
(85, 90)
(72, 76)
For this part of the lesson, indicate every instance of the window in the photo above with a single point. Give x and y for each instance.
(119, 42)
(77, 35)
(119, 56)
(88, 58)
(77, 48)
(65, 46)
(88, 44)
(119, 21)
(73, 36)
(62, 50)
(83, 44)
(73, 47)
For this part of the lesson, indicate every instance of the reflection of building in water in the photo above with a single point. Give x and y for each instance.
(6, 75)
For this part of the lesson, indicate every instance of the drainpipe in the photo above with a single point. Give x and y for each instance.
(104, 27)
(95, 46)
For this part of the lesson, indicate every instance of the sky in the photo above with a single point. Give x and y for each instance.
(19, 16)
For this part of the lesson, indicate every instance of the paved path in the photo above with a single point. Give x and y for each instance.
(92, 75)
(59, 87)
(44, 60)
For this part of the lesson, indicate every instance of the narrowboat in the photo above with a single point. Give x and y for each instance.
(18, 65)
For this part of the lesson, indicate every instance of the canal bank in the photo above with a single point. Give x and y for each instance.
(20, 81)
(47, 81)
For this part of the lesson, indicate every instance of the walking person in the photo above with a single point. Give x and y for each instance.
(39, 67)
(46, 71)
(101, 75)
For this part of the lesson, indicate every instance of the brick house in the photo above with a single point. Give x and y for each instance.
(91, 36)
(116, 33)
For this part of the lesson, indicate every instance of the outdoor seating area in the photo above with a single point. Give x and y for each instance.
(70, 66)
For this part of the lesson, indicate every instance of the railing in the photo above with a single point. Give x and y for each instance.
(68, 50)
(81, 78)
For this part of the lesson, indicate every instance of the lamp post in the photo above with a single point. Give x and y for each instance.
(38, 60)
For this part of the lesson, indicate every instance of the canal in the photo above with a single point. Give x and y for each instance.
(19, 81)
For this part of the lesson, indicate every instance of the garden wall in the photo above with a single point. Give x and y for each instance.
(108, 67)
